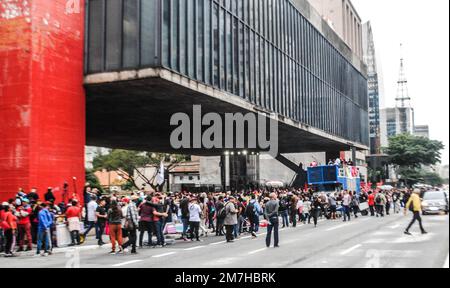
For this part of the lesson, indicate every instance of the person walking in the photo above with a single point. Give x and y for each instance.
(115, 227)
(101, 214)
(316, 207)
(271, 213)
(91, 218)
(306, 211)
(131, 224)
(230, 219)
(73, 216)
(414, 204)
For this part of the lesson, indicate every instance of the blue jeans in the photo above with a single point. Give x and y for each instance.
(256, 223)
(90, 225)
(285, 217)
(159, 232)
(185, 222)
(273, 225)
(43, 238)
(346, 212)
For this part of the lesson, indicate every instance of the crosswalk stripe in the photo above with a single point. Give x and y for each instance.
(126, 263)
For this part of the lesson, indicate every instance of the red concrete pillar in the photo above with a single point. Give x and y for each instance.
(42, 100)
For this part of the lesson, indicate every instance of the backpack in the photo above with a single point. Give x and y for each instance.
(378, 199)
(250, 210)
(222, 214)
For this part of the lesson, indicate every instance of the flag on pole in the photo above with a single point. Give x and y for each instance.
(160, 177)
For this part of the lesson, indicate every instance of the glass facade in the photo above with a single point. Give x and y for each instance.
(263, 51)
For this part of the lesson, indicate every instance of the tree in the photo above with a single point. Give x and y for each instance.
(410, 153)
(127, 164)
(406, 150)
(93, 180)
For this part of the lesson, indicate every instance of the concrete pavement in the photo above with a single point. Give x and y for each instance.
(363, 242)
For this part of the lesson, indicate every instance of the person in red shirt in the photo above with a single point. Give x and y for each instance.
(371, 201)
(24, 226)
(73, 215)
(10, 227)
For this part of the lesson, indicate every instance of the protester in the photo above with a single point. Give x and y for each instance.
(230, 218)
(44, 238)
(115, 227)
(73, 216)
(195, 213)
(271, 214)
(131, 224)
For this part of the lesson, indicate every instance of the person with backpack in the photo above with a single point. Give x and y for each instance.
(355, 204)
(283, 210)
(230, 219)
(252, 212)
(414, 204)
(380, 203)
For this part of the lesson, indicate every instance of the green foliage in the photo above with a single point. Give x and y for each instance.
(127, 163)
(411, 151)
(93, 180)
(413, 176)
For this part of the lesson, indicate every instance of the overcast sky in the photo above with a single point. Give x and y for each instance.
(423, 28)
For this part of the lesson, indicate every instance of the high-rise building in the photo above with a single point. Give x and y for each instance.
(343, 18)
(369, 57)
(422, 131)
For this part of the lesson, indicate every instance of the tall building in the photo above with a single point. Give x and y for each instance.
(343, 18)
(373, 88)
(422, 131)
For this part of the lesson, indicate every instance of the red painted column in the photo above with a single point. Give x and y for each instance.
(42, 100)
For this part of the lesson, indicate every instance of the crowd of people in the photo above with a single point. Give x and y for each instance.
(28, 220)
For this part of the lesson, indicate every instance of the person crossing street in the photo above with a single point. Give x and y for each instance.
(414, 204)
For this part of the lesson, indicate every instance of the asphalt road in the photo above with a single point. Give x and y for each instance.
(363, 242)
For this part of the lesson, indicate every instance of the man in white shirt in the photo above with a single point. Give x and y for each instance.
(91, 217)
(346, 201)
(194, 219)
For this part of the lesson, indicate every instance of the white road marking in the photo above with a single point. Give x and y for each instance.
(127, 263)
(337, 227)
(446, 264)
(395, 226)
(351, 249)
(256, 251)
(165, 254)
(193, 248)
(217, 243)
